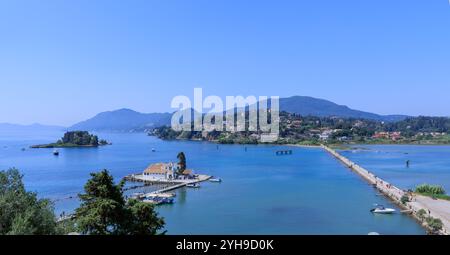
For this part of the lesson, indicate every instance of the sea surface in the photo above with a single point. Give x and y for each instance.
(308, 192)
(427, 164)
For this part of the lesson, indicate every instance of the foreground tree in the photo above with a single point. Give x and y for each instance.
(143, 220)
(21, 212)
(104, 211)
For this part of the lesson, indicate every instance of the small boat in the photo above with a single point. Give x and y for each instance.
(153, 150)
(162, 195)
(137, 195)
(56, 152)
(193, 185)
(215, 180)
(152, 201)
(382, 210)
(159, 201)
(167, 201)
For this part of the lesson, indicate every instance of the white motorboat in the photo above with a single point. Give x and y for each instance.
(215, 180)
(379, 209)
(161, 195)
(193, 185)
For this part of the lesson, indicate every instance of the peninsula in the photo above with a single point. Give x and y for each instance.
(74, 139)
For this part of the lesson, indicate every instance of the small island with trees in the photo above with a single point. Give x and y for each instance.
(75, 139)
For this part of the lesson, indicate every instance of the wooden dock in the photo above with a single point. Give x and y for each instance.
(439, 209)
(173, 184)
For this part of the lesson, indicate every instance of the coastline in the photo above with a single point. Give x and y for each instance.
(312, 146)
(50, 146)
(300, 145)
(269, 148)
(436, 209)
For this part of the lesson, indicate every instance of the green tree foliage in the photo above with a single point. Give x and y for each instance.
(94, 140)
(404, 199)
(295, 128)
(436, 225)
(21, 212)
(421, 124)
(421, 214)
(80, 138)
(182, 161)
(104, 211)
(143, 220)
(430, 189)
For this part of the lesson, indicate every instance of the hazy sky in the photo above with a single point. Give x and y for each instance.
(65, 61)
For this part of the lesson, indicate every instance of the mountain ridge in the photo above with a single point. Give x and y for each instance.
(310, 106)
(123, 120)
(5, 126)
(127, 120)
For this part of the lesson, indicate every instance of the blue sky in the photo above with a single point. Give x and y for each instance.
(65, 61)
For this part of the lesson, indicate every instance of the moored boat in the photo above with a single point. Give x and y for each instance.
(193, 185)
(161, 195)
(56, 152)
(167, 200)
(137, 195)
(379, 209)
(152, 201)
(215, 180)
(159, 201)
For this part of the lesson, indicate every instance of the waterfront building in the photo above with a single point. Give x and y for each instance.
(186, 175)
(160, 172)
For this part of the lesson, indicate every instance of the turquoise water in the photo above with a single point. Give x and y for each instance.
(428, 164)
(306, 193)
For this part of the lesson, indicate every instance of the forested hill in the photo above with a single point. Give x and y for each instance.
(126, 120)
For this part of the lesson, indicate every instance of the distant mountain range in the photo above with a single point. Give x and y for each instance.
(123, 120)
(126, 120)
(322, 108)
(7, 127)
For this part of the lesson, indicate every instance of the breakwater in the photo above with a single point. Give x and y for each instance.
(439, 209)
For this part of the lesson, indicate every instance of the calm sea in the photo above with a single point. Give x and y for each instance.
(308, 192)
(428, 164)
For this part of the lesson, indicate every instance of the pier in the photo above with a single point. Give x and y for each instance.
(439, 209)
(284, 152)
(173, 184)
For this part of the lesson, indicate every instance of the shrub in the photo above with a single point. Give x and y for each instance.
(404, 199)
(430, 189)
(421, 214)
(435, 224)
